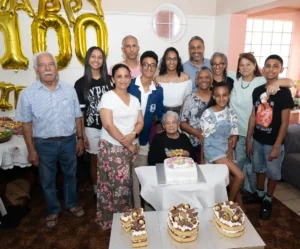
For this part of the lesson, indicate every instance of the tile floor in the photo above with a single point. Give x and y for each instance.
(289, 196)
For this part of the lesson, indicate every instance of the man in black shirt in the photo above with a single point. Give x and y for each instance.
(268, 124)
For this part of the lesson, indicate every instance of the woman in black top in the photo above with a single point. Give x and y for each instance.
(164, 143)
(90, 88)
(219, 65)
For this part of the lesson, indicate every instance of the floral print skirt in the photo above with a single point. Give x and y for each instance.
(114, 182)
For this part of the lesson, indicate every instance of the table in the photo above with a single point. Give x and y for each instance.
(199, 195)
(208, 238)
(14, 153)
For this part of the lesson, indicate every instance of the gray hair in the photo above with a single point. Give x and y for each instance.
(218, 54)
(198, 38)
(205, 69)
(170, 113)
(35, 57)
(127, 37)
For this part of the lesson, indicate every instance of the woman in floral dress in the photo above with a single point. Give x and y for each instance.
(122, 121)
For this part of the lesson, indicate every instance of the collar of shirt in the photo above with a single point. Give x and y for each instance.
(139, 84)
(205, 63)
(41, 85)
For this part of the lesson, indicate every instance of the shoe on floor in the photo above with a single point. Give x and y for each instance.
(266, 210)
(52, 220)
(253, 198)
(77, 211)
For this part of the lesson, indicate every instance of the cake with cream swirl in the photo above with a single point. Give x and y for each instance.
(183, 223)
(229, 219)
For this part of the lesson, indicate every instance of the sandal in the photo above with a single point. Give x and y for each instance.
(52, 220)
(77, 211)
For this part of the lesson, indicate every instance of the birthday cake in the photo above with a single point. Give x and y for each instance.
(179, 170)
(183, 223)
(229, 219)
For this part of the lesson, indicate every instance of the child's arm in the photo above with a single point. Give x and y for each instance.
(251, 125)
(285, 116)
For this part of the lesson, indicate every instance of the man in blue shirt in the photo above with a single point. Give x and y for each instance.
(197, 60)
(151, 99)
(50, 114)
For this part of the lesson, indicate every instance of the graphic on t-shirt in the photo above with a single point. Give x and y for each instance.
(94, 97)
(264, 114)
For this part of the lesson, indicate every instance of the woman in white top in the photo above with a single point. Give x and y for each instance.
(176, 84)
(122, 121)
(247, 78)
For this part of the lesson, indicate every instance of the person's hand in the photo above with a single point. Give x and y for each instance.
(272, 89)
(249, 148)
(169, 154)
(186, 153)
(233, 141)
(159, 128)
(79, 147)
(229, 154)
(273, 154)
(133, 149)
(156, 83)
(86, 142)
(127, 140)
(200, 136)
(33, 157)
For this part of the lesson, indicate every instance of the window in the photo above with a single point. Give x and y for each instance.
(168, 22)
(265, 37)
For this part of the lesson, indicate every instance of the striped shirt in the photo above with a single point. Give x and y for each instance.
(52, 114)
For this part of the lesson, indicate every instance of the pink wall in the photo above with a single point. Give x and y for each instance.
(237, 38)
(238, 31)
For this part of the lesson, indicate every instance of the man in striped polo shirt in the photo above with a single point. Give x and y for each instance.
(51, 117)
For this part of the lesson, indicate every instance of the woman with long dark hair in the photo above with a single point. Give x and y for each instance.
(90, 88)
(176, 84)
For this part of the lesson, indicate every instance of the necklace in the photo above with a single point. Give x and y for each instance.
(244, 87)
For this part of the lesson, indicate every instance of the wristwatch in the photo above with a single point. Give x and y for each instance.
(136, 135)
(80, 137)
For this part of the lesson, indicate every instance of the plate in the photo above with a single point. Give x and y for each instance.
(5, 136)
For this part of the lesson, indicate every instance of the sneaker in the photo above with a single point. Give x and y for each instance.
(253, 198)
(266, 210)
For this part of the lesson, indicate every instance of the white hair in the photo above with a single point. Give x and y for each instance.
(127, 37)
(170, 113)
(35, 57)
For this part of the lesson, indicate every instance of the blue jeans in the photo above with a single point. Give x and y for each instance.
(260, 161)
(50, 152)
(245, 165)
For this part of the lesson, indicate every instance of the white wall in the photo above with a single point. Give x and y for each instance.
(222, 31)
(118, 25)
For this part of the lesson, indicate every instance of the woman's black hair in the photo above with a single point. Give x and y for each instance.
(163, 64)
(88, 72)
(118, 66)
(212, 101)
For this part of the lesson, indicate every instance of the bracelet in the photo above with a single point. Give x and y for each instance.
(80, 137)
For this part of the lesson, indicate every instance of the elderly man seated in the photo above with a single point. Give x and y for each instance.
(171, 139)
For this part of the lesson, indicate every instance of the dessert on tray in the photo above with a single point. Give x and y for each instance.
(229, 219)
(179, 170)
(139, 232)
(183, 223)
(127, 218)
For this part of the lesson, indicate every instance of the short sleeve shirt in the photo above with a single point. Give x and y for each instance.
(268, 113)
(124, 116)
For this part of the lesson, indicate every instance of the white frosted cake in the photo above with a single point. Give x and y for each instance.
(179, 170)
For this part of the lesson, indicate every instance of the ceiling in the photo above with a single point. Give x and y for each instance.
(291, 6)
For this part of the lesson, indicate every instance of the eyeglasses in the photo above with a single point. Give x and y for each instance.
(222, 64)
(146, 65)
(172, 59)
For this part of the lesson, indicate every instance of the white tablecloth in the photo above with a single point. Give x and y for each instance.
(200, 195)
(14, 153)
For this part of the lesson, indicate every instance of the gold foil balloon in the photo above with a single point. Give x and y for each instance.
(81, 24)
(39, 31)
(71, 9)
(13, 57)
(25, 5)
(5, 88)
(97, 5)
(18, 90)
(44, 8)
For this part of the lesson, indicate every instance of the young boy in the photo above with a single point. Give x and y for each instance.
(268, 124)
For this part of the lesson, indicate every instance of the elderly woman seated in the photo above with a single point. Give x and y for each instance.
(171, 139)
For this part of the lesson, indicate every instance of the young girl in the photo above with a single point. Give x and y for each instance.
(90, 88)
(219, 126)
